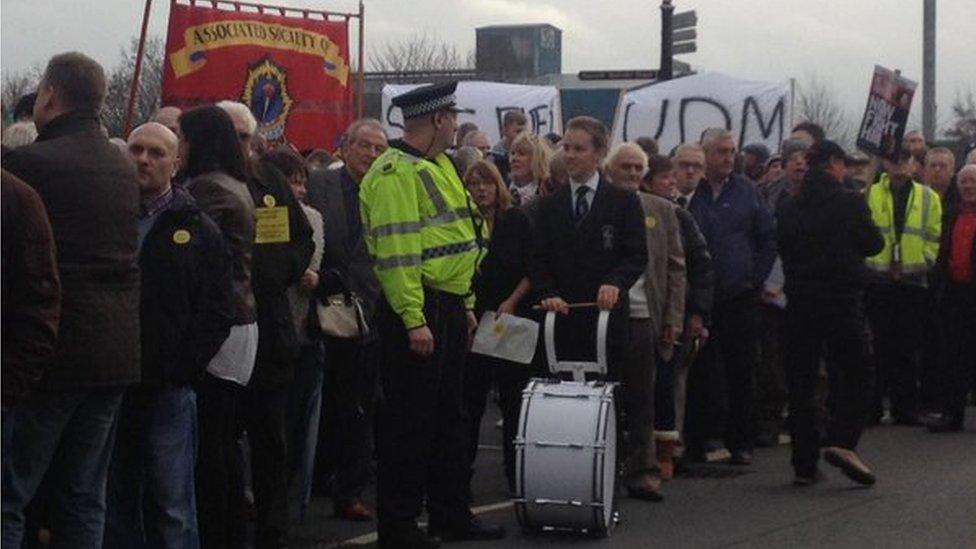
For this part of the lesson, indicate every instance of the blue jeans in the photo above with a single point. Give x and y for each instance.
(69, 436)
(151, 497)
(304, 413)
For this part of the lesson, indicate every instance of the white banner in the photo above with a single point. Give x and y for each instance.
(678, 111)
(490, 101)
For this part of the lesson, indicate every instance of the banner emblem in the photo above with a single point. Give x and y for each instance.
(266, 93)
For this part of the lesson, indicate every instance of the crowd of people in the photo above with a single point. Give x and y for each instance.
(195, 318)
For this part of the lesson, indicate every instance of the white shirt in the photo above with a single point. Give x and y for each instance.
(525, 193)
(639, 308)
(593, 182)
(235, 359)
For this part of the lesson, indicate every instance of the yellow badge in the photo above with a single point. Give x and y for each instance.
(650, 222)
(269, 201)
(181, 236)
(271, 225)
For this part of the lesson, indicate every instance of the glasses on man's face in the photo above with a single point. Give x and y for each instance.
(370, 147)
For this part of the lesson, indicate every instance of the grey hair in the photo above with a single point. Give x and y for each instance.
(623, 147)
(686, 147)
(238, 110)
(353, 130)
(19, 134)
(712, 135)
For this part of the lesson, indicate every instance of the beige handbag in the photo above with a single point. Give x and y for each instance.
(342, 316)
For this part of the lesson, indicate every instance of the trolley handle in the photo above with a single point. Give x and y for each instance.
(578, 369)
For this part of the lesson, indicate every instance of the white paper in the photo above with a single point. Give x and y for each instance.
(507, 337)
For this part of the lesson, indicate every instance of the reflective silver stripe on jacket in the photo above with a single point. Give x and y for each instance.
(394, 261)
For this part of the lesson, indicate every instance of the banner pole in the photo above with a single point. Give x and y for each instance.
(361, 106)
(138, 69)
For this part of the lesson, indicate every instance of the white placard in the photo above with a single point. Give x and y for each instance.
(507, 337)
(678, 111)
(490, 101)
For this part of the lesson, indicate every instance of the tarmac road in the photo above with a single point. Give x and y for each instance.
(925, 497)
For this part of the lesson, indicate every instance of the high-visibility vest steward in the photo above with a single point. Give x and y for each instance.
(420, 225)
(913, 252)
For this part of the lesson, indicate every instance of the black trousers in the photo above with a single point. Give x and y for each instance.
(346, 427)
(422, 430)
(931, 374)
(771, 389)
(732, 350)
(959, 347)
(264, 414)
(814, 322)
(220, 511)
(896, 314)
(511, 378)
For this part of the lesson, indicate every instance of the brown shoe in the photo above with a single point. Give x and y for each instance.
(355, 511)
(646, 487)
(850, 464)
(665, 458)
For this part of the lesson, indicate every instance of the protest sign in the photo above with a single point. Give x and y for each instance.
(490, 101)
(886, 113)
(678, 111)
(291, 71)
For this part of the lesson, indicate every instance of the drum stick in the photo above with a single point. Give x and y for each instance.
(570, 305)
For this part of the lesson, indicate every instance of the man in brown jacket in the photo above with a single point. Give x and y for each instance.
(31, 291)
(657, 302)
(65, 426)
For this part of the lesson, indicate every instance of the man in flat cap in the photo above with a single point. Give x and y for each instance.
(426, 240)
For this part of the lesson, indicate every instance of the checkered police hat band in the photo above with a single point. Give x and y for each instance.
(428, 107)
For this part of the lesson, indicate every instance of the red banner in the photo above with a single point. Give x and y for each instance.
(293, 72)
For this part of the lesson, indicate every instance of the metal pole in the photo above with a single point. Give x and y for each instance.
(667, 11)
(928, 70)
(134, 88)
(361, 104)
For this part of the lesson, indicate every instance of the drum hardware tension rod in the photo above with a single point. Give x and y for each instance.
(569, 502)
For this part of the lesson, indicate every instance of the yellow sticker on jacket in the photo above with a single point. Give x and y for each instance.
(271, 225)
(269, 201)
(650, 222)
(181, 236)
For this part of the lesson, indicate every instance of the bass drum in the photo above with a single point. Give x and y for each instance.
(565, 457)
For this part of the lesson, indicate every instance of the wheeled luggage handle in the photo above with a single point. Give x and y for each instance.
(578, 369)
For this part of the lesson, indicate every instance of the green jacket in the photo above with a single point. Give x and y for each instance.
(422, 229)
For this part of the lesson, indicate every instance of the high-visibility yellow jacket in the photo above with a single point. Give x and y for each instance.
(421, 228)
(919, 240)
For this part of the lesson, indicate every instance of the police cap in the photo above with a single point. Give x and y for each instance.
(427, 100)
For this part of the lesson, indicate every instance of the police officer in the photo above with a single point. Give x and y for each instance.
(825, 234)
(426, 242)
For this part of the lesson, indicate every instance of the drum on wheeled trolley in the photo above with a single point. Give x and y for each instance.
(566, 448)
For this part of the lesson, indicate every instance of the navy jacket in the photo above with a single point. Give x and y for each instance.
(740, 233)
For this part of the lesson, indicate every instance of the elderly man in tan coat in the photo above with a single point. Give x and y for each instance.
(657, 303)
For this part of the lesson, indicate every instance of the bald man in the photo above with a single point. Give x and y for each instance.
(169, 117)
(185, 317)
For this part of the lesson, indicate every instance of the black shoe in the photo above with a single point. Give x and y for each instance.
(767, 440)
(945, 424)
(741, 457)
(907, 420)
(473, 530)
(411, 538)
(804, 480)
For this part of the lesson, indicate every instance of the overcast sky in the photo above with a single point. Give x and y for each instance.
(838, 40)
